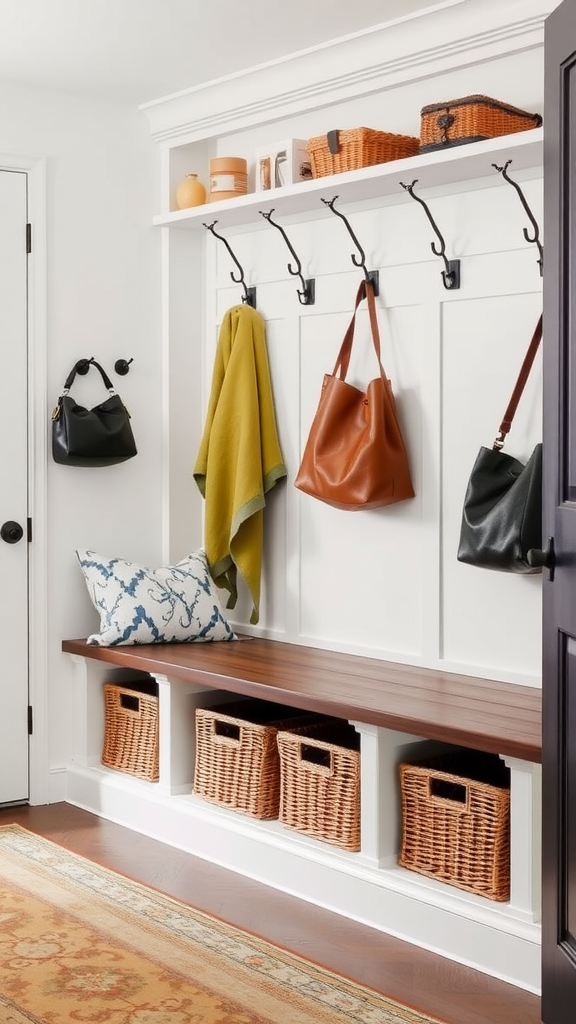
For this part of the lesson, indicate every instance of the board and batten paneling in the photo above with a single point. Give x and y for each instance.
(386, 582)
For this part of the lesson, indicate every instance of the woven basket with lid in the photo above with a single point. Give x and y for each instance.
(471, 119)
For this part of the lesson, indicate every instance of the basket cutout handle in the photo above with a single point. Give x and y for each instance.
(225, 731)
(130, 702)
(455, 793)
(316, 759)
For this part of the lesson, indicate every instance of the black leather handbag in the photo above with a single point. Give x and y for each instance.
(502, 512)
(101, 436)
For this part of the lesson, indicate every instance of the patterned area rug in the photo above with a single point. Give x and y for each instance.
(80, 944)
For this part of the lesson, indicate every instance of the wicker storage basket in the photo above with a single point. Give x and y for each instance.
(471, 119)
(131, 729)
(456, 821)
(357, 147)
(320, 784)
(237, 763)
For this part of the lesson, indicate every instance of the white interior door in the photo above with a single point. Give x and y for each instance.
(13, 489)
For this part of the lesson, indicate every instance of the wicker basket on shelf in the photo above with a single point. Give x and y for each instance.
(131, 743)
(237, 763)
(320, 784)
(456, 821)
(471, 119)
(350, 149)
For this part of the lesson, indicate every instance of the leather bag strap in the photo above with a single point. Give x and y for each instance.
(365, 290)
(519, 386)
(91, 362)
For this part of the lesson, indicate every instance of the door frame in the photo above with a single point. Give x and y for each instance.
(39, 774)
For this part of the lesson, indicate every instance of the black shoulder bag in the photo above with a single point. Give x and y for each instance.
(101, 436)
(502, 513)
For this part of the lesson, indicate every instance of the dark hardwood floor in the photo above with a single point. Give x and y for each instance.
(457, 995)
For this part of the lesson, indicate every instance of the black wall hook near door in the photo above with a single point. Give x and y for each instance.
(249, 296)
(83, 365)
(536, 236)
(371, 275)
(306, 294)
(451, 272)
(122, 366)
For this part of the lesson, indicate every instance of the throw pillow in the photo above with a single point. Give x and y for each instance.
(173, 604)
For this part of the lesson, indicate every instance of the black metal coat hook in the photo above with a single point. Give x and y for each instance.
(306, 294)
(249, 296)
(370, 275)
(536, 238)
(122, 366)
(451, 272)
(83, 365)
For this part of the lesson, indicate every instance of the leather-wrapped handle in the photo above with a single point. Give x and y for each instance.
(76, 369)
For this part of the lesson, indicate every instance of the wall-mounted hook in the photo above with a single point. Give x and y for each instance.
(83, 365)
(122, 366)
(306, 294)
(536, 238)
(370, 275)
(249, 296)
(451, 272)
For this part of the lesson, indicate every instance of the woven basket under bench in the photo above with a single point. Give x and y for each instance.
(237, 763)
(131, 731)
(320, 783)
(471, 119)
(456, 821)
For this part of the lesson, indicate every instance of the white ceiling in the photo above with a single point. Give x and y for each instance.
(134, 51)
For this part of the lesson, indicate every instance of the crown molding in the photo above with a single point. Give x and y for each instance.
(454, 34)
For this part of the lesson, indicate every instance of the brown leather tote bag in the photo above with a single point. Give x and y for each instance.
(355, 456)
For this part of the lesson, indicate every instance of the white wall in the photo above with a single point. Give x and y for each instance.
(102, 301)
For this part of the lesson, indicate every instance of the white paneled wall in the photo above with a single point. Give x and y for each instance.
(387, 582)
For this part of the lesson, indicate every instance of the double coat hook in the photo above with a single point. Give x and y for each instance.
(451, 272)
(359, 261)
(535, 238)
(306, 293)
(249, 296)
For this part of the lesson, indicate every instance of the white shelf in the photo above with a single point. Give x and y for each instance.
(463, 164)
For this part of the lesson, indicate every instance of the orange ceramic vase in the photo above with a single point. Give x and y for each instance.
(190, 192)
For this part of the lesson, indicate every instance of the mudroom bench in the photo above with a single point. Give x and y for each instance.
(400, 711)
(502, 718)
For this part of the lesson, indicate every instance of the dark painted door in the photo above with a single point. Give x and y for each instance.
(559, 593)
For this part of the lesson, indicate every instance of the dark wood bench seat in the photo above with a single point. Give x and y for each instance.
(499, 717)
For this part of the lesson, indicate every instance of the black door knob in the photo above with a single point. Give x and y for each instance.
(543, 557)
(536, 557)
(11, 532)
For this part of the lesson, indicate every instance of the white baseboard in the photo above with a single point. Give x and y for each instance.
(468, 929)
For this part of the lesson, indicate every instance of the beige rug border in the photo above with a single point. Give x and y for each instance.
(146, 936)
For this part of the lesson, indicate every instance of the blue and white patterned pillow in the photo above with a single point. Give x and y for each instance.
(173, 604)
